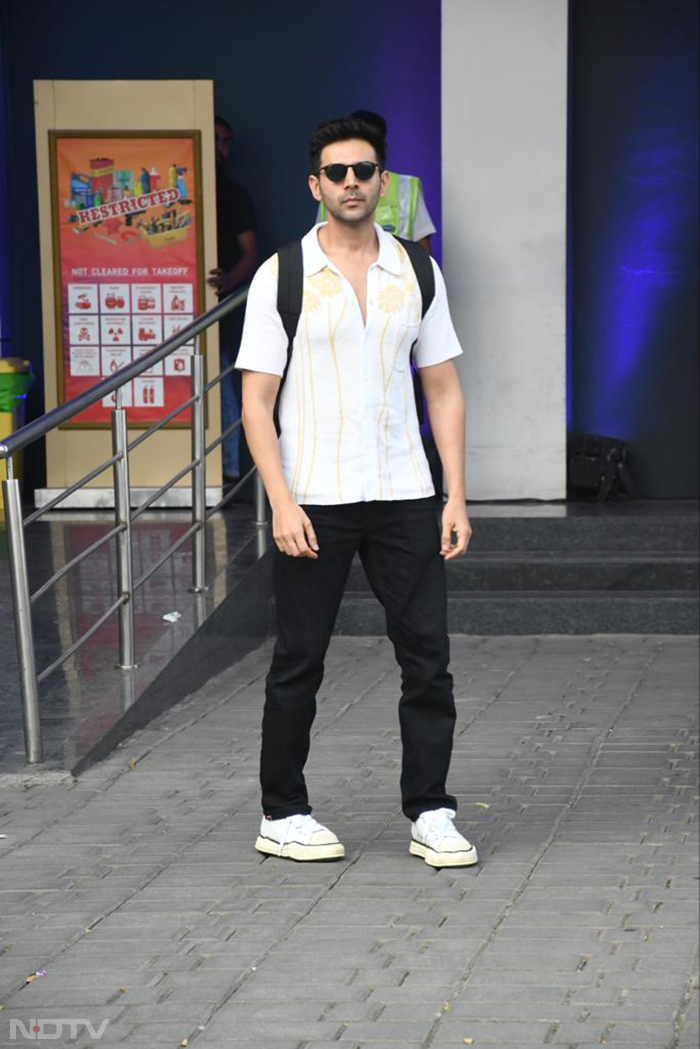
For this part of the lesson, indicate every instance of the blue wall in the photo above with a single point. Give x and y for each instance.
(634, 234)
(5, 268)
(278, 70)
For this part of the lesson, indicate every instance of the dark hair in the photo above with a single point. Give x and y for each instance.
(223, 121)
(341, 129)
(371, 118)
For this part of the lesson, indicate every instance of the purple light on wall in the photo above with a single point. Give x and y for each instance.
(641, 264)
(5, 317)
(403, 84)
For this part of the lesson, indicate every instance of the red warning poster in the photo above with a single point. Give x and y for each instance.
(128, 263)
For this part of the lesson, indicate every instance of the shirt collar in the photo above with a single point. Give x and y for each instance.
(315, 258)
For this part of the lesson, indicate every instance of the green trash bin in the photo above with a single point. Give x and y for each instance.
(16, 379)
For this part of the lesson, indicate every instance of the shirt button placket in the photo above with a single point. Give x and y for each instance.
(368, 398)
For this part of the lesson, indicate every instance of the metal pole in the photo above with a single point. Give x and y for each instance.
(262, 542)
(260, 501)
(122, 516)
(199, 477)
(23, 621)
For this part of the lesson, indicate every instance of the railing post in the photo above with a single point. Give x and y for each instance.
(260, 501)
(23, 620)
(199, 476)
(260, 514)
(122, 516)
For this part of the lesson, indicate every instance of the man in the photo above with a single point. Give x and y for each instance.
(348, 474)
(238, 260)
(402, 209)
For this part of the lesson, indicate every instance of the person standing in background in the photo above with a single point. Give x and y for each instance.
(237, 255)
(402, 211)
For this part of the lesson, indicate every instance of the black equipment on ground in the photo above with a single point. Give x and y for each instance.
(598, 467)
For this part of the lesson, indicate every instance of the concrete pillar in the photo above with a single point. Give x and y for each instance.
(504, 117)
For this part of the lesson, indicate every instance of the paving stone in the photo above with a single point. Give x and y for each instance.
(267, 1030)
(41, 996)
(387, 1031)
(452, 1032)
(312, 1043)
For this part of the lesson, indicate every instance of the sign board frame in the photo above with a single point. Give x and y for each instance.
(131, 251)
(108, 108)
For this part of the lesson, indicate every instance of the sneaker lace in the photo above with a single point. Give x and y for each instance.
(439, 822)
(306, 824)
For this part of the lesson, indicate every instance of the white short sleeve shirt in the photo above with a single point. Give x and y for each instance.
(348, 422)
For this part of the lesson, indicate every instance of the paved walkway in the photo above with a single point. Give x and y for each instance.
(139, 893)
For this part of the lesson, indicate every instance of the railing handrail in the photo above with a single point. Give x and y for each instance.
(43, 425)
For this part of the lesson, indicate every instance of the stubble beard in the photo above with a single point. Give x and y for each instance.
(352, 218)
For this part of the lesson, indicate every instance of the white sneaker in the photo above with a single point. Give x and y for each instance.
(435, 838)
(298, 838)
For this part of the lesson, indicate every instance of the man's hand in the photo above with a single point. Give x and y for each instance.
(225, 281)
(219, 280)
(454, 519)
(293, 532)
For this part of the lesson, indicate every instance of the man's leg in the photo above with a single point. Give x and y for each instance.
(400, 554)
(308, 595)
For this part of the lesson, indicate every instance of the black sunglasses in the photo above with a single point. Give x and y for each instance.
(364, 170)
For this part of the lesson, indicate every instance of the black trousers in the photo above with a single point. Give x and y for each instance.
(398, 543)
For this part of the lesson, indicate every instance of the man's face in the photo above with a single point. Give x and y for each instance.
(223, 142)
(349, 200)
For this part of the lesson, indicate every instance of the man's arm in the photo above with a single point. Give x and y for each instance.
(248, 262)
(292, 530)
(225, 281)
(443, 396)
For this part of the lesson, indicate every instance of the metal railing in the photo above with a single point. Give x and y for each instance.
(124, 516)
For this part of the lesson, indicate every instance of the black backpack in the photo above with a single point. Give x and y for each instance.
(290, 291)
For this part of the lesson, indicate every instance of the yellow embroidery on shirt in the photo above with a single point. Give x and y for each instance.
(301, 416)
(313, 409)
(332, 332)
(326, 282)
(384, 411)
(408, 386)
(391, 298)
(386, 452)
(385, 386)
(311, 302)
(410, 287)
(401, 335)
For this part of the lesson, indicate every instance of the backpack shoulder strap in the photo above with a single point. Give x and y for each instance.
(290, 287)
(290, 293)
(423, 269)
